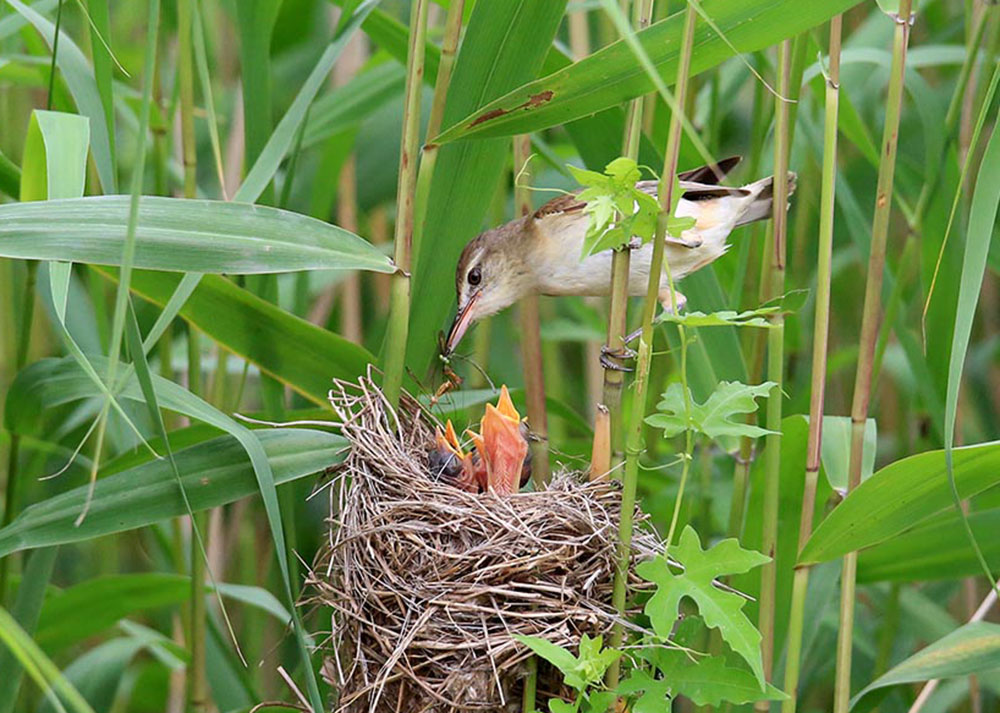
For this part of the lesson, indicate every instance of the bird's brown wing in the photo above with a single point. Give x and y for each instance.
(561, 204)
(695, 191)
(710, 174)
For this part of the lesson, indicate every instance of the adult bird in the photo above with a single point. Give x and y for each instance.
(541, 252)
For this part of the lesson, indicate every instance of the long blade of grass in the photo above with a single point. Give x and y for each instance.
(38, 665)
(183, 235)
(215, 473)
(611, 75)
(982, 220)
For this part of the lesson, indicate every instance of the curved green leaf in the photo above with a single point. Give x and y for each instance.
(612, 75)
(973, 648)
(936, 550)
(214, 473)
(289, 348)
(183, 235)
(898, 497)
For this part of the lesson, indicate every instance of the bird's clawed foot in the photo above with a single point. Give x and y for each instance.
(612, 358)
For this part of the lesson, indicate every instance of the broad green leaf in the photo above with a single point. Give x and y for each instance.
(656, 693)
(182, 235)
(718, 417)
(215, 473)
(972, 648)
(505, 44)
(612, 75)
(289, 348)
(562, 659)
(935, 550)
(80, 78)
(900, 496)
(720, 609)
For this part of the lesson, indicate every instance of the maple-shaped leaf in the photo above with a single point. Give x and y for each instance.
(715, 418)
(709, 681)
(720, 609)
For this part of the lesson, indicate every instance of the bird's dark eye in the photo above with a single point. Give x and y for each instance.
(475, 276)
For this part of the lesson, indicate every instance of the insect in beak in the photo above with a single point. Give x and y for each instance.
(463, 320)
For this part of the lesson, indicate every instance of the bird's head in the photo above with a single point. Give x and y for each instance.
(493, 273)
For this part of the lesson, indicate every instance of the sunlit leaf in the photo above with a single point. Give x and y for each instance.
(720, 609)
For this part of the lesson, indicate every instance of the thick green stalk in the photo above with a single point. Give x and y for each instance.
(869, 335)
(429, 154)
(775, 355)
(198, 695)
(620, 262)
(821, 330)
(636, 444)
(531, 339)
(399, 309)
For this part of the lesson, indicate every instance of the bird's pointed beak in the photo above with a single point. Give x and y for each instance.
(463, 320)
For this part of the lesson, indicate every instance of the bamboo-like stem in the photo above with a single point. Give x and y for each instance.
(198, 695)
(635, 444)
(531, 339)
(821, 331)
(775, 356)
(399, 308)
(429, 153)
(869, 335)
(620, 265)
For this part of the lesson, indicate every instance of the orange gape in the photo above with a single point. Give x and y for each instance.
(501, 445)
(461, 468)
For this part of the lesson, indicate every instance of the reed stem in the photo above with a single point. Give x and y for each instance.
(399, 309)
(636, 443)
(821, 330)
(531, 340)
(620, 265)
(775, 354)
(869, 335)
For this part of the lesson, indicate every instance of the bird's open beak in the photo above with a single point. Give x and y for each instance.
(463, 320)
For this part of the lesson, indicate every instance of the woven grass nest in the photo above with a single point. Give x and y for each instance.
(427, 584)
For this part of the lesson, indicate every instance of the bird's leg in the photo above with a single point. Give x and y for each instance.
(609, 355)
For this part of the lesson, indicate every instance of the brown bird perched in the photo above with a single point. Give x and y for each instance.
(541, 252)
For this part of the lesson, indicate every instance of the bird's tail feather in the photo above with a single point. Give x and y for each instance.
(762, 192)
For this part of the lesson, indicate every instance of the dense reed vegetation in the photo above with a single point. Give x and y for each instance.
(210, 209)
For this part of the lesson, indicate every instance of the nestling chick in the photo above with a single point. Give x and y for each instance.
(502, 461)
(540, 253)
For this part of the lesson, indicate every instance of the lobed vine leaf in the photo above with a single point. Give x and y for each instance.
(716, 418)
(720, 609)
